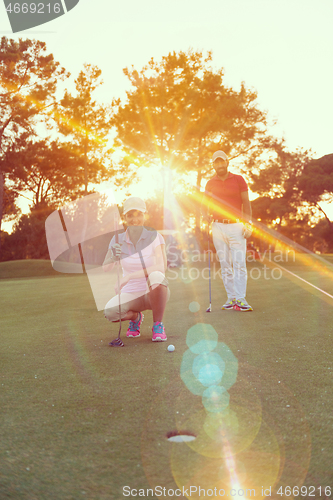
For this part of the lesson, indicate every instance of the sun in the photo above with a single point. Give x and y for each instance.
(151, 183)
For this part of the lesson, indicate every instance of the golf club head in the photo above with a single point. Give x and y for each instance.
(209, 309)
(117, 343)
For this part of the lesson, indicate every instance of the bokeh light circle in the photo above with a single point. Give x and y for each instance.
(201, 338)
(250, 439)
(210, 375)
(194, 307)
(215, 399)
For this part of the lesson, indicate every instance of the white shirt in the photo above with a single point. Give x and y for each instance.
(130, 257)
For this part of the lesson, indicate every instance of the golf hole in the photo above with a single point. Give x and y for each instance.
(180, 436)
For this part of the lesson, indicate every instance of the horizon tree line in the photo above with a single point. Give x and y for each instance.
(176, 114)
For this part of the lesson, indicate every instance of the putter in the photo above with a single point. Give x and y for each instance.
(209, 309)
(118, 342)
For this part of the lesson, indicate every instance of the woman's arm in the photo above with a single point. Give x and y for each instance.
(112, 255)
(108, 263)
(161, 258)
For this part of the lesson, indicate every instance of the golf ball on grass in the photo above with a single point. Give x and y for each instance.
(171, 348)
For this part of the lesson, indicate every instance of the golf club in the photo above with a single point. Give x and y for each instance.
(144, 269)
(118, 342)
(209, 309)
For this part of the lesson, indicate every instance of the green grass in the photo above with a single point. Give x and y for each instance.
(81, 420)
(26, 269)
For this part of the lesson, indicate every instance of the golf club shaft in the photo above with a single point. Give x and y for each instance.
(210, 280)
(144, 269)
(118, 277)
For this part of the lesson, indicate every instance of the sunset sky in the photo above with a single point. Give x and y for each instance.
(280, 48)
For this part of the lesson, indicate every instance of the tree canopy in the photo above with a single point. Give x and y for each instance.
(49, 171)
(88, 125)
(290, 186)
(316, 181)
(28, 81)
(179, 111)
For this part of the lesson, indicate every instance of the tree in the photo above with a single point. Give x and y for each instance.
(10, 209)
(88, 123)
(179, 111)
(324, 236)
(28, 80)
(48, 170)
(316, 181)
(28, 239)
(316, 185)
(276, 180)
(291, 185)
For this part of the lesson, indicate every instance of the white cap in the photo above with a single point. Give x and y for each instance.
(134, 203)
(220, 154)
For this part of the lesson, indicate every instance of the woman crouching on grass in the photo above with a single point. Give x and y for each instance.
(143, 285)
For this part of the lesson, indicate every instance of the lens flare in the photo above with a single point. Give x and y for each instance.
(194, 307)
(257, 443)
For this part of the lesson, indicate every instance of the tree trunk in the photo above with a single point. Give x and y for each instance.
(330, 223)
(199, 179)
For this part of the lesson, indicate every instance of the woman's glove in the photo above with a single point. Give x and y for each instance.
(115, 252)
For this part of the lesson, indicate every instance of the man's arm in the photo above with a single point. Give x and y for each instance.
(247, 211)
(247, 214)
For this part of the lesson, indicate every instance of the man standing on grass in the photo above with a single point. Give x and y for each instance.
(226, 203)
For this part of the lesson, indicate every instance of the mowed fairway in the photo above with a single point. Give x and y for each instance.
(80, 419)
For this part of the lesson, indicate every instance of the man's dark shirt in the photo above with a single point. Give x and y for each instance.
(225, 196)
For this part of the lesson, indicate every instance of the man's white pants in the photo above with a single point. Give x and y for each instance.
(230, 246)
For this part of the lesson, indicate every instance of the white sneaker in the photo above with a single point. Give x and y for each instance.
(242, 305)
(229, 305)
